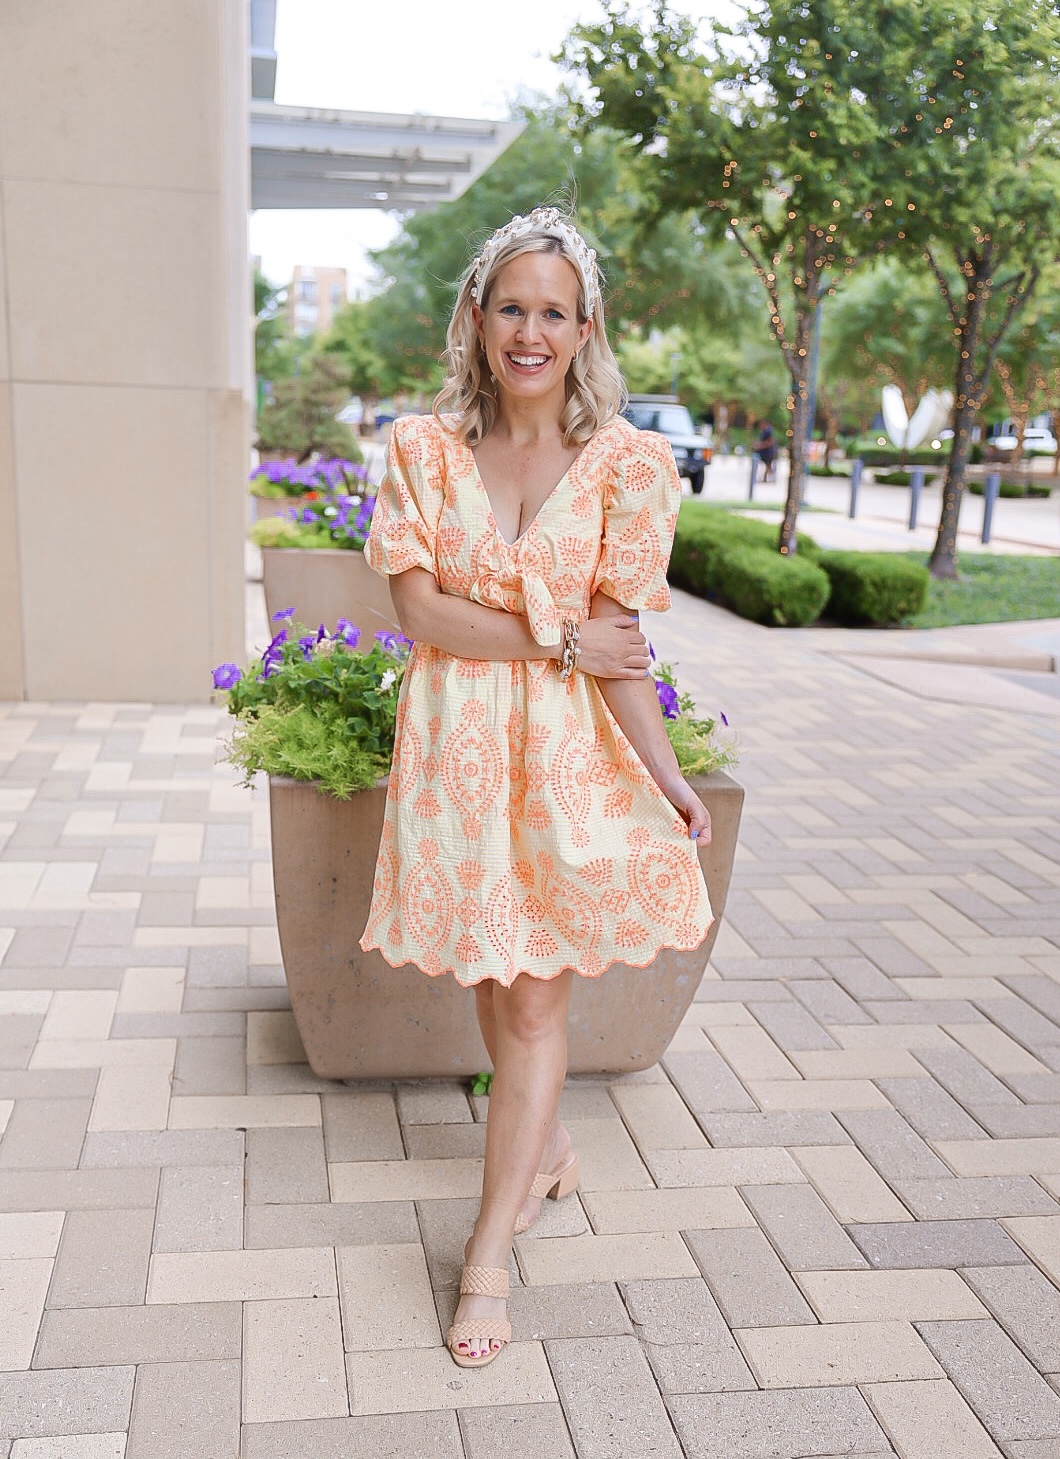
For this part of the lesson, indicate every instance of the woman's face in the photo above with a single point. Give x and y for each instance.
(529, 327)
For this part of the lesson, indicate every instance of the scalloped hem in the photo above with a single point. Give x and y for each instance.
(541, 977)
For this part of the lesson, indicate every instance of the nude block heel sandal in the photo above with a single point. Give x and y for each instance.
(480, 1281)
(553, 1186)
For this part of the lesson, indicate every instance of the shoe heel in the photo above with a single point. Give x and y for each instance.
(567, 1182)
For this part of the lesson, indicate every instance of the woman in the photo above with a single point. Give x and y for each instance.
(537, 824)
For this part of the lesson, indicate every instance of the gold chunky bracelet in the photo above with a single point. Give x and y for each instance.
(569, 658)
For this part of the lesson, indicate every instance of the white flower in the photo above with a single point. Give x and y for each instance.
(388, 680)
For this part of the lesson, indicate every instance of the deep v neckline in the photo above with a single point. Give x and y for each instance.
(535, 518)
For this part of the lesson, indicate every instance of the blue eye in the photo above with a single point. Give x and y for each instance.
(510, 309)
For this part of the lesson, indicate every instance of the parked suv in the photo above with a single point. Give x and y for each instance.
(665, 414)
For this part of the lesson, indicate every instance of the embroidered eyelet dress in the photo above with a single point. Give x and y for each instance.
(523, 834)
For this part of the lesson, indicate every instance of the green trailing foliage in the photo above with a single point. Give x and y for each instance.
(315, 709)
(697, 742)
(873, 588)
(282, 532)
(698, 750)
(306, 744)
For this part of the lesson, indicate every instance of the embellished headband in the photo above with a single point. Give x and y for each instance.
(542, 220)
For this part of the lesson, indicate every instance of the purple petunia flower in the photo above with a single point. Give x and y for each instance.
(307, 644)
(667, 695)
(724, 719)
(347, 633)
(285, 614)
(226, 676)
(651, 650)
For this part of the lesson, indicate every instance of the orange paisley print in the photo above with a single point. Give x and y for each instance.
(523, 834)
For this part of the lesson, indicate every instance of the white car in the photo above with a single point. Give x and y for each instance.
(1035, 438)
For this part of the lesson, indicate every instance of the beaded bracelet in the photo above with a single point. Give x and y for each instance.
(569, 657)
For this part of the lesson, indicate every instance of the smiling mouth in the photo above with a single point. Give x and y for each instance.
(528, 362)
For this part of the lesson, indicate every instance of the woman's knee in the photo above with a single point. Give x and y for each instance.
(533, 1010)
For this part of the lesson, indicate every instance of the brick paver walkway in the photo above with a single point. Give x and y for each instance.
(827, 1224)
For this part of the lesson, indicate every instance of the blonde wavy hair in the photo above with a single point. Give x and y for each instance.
(595, 389)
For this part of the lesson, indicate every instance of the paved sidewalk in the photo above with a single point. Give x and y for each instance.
(827, 1224)
(1022, 526)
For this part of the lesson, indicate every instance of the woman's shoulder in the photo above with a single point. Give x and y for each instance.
(429, 439)
(623, 440)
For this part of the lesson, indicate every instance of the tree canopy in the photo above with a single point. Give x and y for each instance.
(820, 132)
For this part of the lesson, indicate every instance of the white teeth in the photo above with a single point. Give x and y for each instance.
(528, 359)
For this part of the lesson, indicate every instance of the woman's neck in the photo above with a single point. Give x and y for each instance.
(526, 422)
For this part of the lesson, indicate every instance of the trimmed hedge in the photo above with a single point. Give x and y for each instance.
(873, 588)
(718, 554)
(1013, 488)
(891, 456)
(899, 478)
(782, 592)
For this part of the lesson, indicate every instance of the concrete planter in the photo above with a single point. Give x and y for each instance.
(323, 584)
(359, 1018)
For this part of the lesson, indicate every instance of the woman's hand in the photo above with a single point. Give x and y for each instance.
(689, 807)
(613, 647)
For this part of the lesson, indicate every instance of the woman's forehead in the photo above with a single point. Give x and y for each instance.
(538, 273)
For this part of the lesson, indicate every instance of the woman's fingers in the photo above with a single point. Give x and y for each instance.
(699, 823)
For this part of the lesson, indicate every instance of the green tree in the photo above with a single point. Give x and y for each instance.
(971, 90)
(300, 416)
(886, 326)
(1027, 369)
(277, 353)
(763, 134)
(656, 278)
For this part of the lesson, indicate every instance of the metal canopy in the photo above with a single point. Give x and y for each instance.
(303, 157)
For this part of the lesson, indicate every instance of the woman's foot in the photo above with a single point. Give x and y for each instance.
(556, 1159)
(480, 1324)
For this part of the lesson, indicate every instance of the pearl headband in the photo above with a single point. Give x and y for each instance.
(552, 222)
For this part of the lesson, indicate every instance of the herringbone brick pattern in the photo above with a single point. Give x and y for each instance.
(827, 1224)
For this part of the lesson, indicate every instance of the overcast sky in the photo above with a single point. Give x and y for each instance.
(466, 58)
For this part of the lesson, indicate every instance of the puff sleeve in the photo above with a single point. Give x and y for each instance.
(640, 517)
(409, 501)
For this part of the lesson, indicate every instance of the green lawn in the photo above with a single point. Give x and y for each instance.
(991, 590)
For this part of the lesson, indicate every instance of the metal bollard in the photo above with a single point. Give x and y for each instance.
(916, 486)
(857, 466)
(751, 482)
(991, 492)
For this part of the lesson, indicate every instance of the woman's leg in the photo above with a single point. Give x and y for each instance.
(557, 1143)
(530, 1064)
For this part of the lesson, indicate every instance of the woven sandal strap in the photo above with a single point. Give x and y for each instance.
(542, 1184)
(484, 1281)
(464, 1331)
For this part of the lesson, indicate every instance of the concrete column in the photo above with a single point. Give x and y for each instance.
(125, 352)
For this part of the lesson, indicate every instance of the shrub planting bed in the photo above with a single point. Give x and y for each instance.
(1013, 488)
(734, 559)
(873, 588)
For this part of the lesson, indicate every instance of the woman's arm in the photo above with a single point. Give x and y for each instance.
(635, 706)
(611, 648)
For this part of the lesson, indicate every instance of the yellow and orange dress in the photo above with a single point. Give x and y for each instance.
(523, 834)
